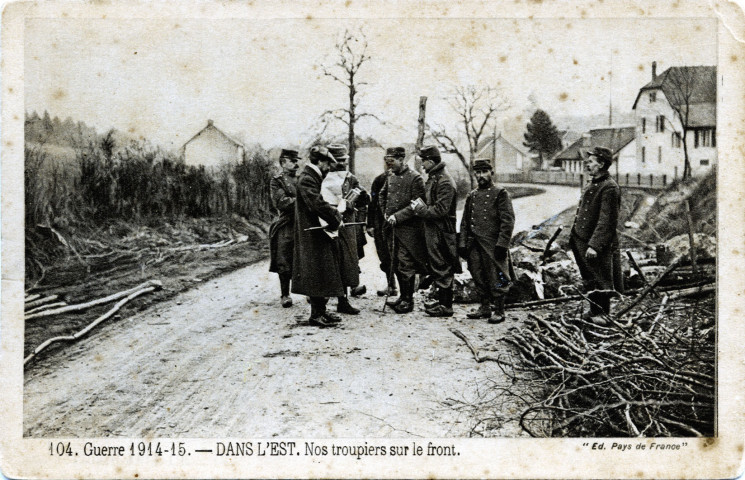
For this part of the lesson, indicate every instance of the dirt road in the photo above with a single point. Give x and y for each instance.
(224, 359)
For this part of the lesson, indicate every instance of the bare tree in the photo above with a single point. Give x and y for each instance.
(477, 107)
(681, 87)
(351, 55)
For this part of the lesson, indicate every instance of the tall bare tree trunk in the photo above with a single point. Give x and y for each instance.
(352, 118)
(420, 133)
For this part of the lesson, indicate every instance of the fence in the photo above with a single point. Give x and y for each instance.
(638, 180)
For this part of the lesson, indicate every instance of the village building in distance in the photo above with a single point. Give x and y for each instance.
(620, 140)
(505, 157)
(653, 146)
(659, 127)
(211, 147)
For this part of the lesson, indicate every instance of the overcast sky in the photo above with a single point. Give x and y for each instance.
(259, 80)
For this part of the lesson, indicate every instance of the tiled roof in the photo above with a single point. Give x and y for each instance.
(703, 84)
(614, 138)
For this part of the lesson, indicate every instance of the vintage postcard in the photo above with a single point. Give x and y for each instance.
(473, 239)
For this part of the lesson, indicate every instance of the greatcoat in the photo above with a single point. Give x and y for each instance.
(376, 221)
(488, 221)
(283, 190)
(315, 271)
(410, 255)
(595, 225)
(348, 242)
(439, 225)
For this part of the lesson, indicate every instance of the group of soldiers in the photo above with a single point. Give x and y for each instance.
(318, 238)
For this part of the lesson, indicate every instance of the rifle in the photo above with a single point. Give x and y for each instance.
(350, 224)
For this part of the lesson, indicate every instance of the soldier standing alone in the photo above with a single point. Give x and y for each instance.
(283, 190)
(485, 234)
(594, 239)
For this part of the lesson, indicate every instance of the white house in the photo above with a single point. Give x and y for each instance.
(659, 129)
(505, 157)
(211, 147)
(620, 140)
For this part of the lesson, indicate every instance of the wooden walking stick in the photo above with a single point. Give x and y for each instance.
(390, 268)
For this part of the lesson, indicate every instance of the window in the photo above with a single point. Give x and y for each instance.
(652, 97)
(644, 125)
(704, 138)
(643, 154)
(675, 140)
(704, 162)
(660, 126)
(659, 154)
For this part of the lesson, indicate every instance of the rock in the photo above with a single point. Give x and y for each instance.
(464, 290)
(557, 274)
(522, 289)
(525, 259)
(706, 247)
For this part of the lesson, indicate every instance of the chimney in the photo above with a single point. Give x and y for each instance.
(586, 140)
(210, 123)
(654, 71)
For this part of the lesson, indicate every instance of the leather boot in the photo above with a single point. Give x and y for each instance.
(445, 308)
(343, 306)
(498, 315)
(402, 282)
(432, 300)
(483, 311)
(406, 303)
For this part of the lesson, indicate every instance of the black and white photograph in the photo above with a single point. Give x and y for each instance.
(372, 240)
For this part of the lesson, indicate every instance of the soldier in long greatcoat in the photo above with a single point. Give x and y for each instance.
(375, 226)
(283, 190)
(485, 234)
(403, 229)
(342, 190)
(315, 270)
(438, 213)
(594, 237)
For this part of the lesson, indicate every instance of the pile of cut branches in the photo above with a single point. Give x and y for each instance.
(651, 375)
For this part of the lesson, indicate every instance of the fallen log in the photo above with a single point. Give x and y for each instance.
(689, 292)
(156, 284)
(568, 298)
(71, 338)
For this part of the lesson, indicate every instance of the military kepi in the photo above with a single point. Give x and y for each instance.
(481, 164)
(603, 155)
(395, 152)
(338, 151)
(290, 154)
(430, 152)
